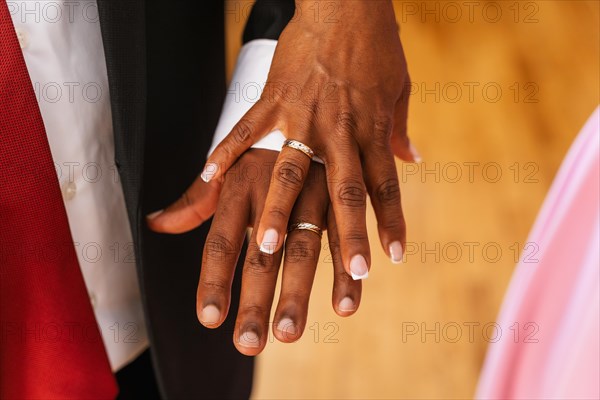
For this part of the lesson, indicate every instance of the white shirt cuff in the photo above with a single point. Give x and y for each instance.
(249, 78)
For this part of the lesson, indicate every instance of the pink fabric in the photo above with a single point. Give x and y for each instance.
(559, 294)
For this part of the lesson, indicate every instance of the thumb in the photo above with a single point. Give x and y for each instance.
(191, 210)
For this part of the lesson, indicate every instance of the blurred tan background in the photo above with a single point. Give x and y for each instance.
(500, 91)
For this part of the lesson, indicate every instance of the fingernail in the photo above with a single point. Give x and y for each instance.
(287, 327)
(249, 339)
(415, 153)
(346, 305)
(210, 315)
(269, 242)
(358, 268)
(209, 171)
(154, 214)
(396, 252)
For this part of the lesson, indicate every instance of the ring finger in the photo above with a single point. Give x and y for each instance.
(302, 249)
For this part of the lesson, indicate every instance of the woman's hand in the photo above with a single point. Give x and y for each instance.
(338, 84)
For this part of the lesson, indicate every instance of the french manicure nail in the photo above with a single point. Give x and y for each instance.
(249, 339)
(209, 171)
(358, 268)
(346, 305)
(287, 327)
(210, 315)
(154, 214)
(269, 242)
(396, 252)
(415, 153)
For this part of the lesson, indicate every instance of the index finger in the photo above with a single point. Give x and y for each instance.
(257, 122)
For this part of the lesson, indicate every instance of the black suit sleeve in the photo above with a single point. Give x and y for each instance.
(268, 18)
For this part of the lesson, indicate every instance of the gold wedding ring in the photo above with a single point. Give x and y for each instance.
(294, 144)
(306, 226)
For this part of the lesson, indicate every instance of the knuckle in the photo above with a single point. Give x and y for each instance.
(388, 192)
(219, 248)
(273, 93)
(382, 125)
(309, 107)
(189, 203)
(345, 122)
(290, 175)
(395, 225)
(214, 285)
(295, 296)
(299, 251)
(242, 131)
(259, 263)
(352, 193)
(382, 131)
(227, 148)
(277, 213)
(340, 276)
(186, 199)
(253, 309)
(355, 236)
(379, 145)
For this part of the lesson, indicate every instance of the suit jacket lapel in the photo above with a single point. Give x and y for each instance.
(123, 33)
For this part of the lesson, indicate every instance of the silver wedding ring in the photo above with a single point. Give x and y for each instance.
(294, 144)
(306, 226)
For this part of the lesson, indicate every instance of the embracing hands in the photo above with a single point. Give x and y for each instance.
(341, 88)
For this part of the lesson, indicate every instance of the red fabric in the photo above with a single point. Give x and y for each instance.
(50, 345)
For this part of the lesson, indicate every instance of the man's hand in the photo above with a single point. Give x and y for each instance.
(339, 85)
(240, 205)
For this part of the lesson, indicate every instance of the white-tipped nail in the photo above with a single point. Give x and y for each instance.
(396, 252)
(287, 327)
(209, 171)
(358, 268)
(346, 305)
(269, 242)
(154, 214)
(210, 315)
(415, 153)
(249, 339)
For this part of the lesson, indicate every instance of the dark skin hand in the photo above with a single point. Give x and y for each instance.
(242, 199)
(341, 88)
